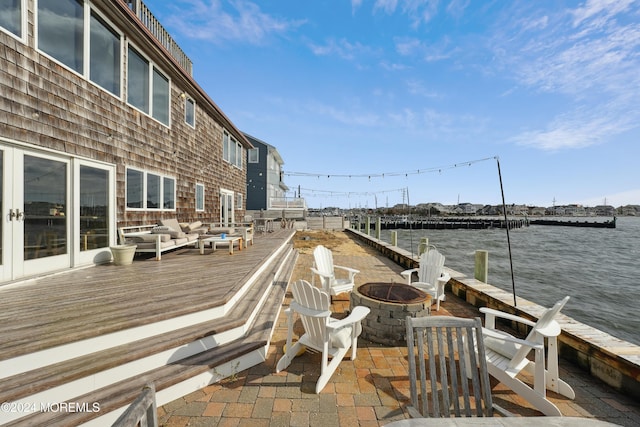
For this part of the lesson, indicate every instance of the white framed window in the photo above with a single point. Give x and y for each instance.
(239, 201)
(148, 89)
(232, 150)
(169, 193)
(135, 189)
(190, 112)
(105, 47)
(253, 155)
(199, 197)
(138, 81)
(75, 35)
(239, 155)
(60, 31)
(160, 97)
(149, 191)
(13, 17)
(153, 199)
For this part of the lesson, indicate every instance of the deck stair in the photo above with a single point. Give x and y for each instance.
(177, 361)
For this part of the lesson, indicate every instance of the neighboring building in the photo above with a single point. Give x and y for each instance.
(103, 127)
(467, 208)
(266, 190)
(605, 210)
(630, 210)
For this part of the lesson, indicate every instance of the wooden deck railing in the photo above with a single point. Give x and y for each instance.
(142, 412)
(153, 25)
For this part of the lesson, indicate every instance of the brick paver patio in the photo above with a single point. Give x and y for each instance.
(369, 391)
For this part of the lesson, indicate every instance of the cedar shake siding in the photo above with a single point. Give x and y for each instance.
(46, 107)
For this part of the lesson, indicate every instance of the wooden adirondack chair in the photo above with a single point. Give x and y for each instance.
(431, 278)
(326, 270)
(331, 337)
(507, 357)
(439, 378)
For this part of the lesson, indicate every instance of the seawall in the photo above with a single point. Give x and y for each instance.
(612, 360)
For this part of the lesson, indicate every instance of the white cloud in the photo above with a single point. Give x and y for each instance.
(591, 64)
(342, 48)
(214, 21)
(393, 66)
(418, 11)
(430, 52)
(387, 6)
(456, 8)
(629, 197)
(599, 11)
(407, 46)
(347, 117)
(580, 128)
(418, 88)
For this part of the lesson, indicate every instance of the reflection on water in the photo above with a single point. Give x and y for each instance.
(597, 267)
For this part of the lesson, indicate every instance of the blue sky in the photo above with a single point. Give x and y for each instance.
(371, 102)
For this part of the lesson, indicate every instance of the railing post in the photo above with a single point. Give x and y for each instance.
(394, 238)
(481, 271)
(378, 222)
(368, 226)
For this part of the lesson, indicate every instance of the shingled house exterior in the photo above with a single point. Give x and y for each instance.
(103, 126)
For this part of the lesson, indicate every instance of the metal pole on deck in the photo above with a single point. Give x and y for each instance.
(409, 219)
(506, 223)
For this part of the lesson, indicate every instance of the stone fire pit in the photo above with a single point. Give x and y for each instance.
(390, 303)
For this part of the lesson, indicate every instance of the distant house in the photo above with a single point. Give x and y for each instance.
(467, 208)
(266, 190)
(536, 210)
(103, 126)
(605, 210)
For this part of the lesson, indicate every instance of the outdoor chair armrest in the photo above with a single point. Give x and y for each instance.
(308, 312)
(408, 273)
(320, 273)
(491, 314)
(355, 316)
(444, 278)
(553, 329)
(349, 269)
(508, 338)
(424, 286)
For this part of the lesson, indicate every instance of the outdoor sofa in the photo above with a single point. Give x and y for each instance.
(168, 234)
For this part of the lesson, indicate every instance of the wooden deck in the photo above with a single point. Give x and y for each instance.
(102, 317)
(81, 304)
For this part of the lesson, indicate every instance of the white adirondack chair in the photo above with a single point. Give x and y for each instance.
(331, 337)
(431, 278)
(507, 357)
(326, 270)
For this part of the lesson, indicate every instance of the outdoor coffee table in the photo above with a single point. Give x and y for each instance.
(217, 240)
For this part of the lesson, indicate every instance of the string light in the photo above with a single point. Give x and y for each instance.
(437, 169)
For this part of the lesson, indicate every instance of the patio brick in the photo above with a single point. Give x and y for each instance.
(369, 391)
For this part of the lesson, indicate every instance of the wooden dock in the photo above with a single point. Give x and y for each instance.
(450, 224)
(571, 223)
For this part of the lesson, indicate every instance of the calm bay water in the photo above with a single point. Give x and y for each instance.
(599, 268)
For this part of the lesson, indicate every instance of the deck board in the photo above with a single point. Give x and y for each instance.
(84, 303)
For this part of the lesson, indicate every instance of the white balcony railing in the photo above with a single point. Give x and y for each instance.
(287, 203)
(153, 25)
